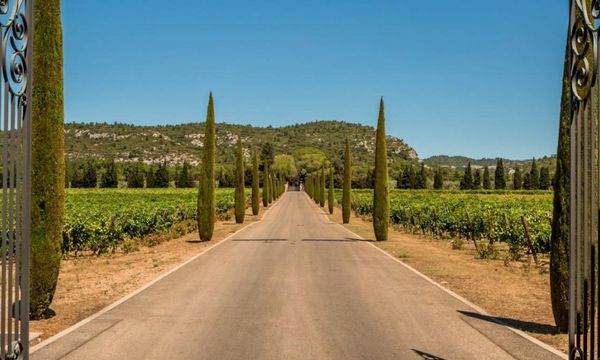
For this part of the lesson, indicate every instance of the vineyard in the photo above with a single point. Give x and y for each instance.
(521, 220)
(99, 220)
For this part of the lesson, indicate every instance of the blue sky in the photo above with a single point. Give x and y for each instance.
(467, 77)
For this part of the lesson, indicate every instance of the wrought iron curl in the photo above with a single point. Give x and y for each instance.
(584, 48)
(15, 39)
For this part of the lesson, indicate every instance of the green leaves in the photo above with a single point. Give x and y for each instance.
(491, 215)
(98, 220)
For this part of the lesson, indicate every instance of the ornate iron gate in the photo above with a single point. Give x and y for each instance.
(15, 122)
(584, 273)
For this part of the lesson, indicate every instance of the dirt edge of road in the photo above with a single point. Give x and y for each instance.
(516, 294)
(88, 284)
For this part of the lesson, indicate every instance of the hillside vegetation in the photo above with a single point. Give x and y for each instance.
(178, 143)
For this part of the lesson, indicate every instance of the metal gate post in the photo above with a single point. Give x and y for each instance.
(16, 21)
(584, 190)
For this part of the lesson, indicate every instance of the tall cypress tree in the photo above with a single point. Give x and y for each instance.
(240, 191)
(477, 180)
(109, 177)
(317, 187)
(270, 188)
(47, 156)
(499, 177)
(467, 180)
(265, 188)
(559, 241)
(534, 176)
(422, 178)
(545, 180)
(255, 184)
(347, 191)
(330, 198)
(322, 186)
(381, 202)
(487, 184)
(517, 179)
(206, 187)
(438, 179)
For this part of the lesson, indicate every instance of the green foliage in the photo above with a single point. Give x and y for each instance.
(184, 177)
(499, 176)
(267, 153)
(206, 188)
(467, 180)
(559, 244)
(265, 188)
(109, 177)
(545, 180)
(438, 179)
(85, 175)
(240, 193)
(255, 184)
(534, 177)
(330, 195)
(135, 175)
(100, 220)
(422, 178)
(322, 187)
(285, 165)
(477, 180)
(158, 177)
(347, 189)
(517, 179)
(486, 178)
(47, 155)
(490, 215)
(381, 201)
(183, 141)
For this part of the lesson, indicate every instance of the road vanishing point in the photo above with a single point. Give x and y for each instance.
(292, 286)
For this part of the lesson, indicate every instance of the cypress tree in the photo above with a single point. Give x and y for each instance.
(467, 180)
(422, 178)
(517, 179)
(317, 187)
(330, 198)
(90, 175)
(545, 180)
(206, 187)
(499, 177)
(240, 191)
(477, 180)
(265, 188)
(134, 175)
(109, 177)
(347, 191)
(322, 186)
(534, 176)
(438, 179)
(381, 202)
(486, 178)
(184, 178)
(270, 188)
(559, 241)
(161, 176)
(255, 185)
(47, 156)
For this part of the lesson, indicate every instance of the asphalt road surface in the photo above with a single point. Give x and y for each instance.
(293, 286)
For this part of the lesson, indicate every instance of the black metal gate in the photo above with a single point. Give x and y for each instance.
(15, 122)
(584, 275)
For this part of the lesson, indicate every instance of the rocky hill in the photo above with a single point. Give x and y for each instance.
(178, 143)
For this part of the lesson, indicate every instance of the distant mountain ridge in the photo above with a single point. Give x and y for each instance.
(178, 143)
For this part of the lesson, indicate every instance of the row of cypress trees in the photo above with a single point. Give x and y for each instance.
(273, 185)
(314, 184)
(319, 186)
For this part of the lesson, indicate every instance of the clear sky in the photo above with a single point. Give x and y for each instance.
(468, 77)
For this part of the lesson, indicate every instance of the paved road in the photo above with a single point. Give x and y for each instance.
(294, 286)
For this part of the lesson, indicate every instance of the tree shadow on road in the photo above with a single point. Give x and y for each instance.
(528, 326)
(427, 356)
